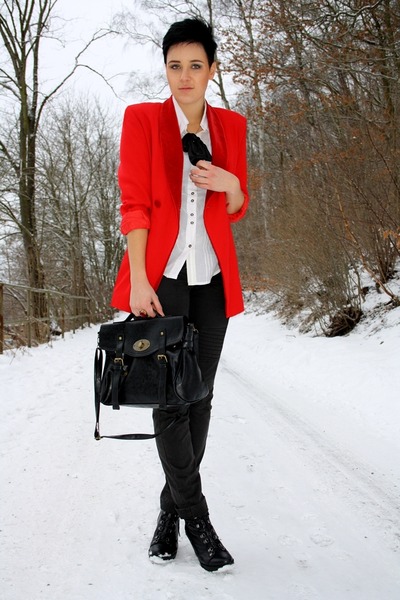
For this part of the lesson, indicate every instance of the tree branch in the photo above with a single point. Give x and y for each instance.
(14, 165)
(96, 36)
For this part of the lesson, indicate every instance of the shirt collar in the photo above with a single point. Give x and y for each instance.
(183, 121)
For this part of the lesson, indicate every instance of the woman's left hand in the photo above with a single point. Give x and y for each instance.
(207, 176)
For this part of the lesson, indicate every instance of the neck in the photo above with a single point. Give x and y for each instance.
(193, 128)
(194, 115)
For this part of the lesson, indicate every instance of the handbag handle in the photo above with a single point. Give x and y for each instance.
(98, 369)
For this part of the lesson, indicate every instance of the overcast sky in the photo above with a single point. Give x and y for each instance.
(112, 56)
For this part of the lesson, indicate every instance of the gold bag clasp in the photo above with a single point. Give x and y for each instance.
(141, 345)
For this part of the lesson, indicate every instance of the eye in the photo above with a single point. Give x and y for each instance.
(174, 67)
(196, 66)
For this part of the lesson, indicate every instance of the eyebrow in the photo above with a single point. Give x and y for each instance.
(195, 60)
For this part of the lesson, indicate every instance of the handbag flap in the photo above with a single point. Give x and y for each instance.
(143, 336)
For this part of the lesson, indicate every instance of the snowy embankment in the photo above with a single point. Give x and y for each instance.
(302, 474)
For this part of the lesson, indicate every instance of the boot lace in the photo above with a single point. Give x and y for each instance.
(165, 527)
(208, 535)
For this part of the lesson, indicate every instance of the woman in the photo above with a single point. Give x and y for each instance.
(179, 194)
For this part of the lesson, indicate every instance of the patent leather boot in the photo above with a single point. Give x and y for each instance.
(164, 544)
(209, 549)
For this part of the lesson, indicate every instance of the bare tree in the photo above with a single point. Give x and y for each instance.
(24, 24)
(78, 197)
(321, 82)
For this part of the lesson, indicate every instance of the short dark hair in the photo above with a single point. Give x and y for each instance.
(191, 31)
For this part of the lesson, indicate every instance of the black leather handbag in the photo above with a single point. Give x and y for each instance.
(146, 362)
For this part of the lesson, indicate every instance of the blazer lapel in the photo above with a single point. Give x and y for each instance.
(171, 144)
(170, 139)
(218, 141)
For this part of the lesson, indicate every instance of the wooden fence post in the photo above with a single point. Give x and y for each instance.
(48, 316)
(63, 316)
(29, 315)
(1, 319)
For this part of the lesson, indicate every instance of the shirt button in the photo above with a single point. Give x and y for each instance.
(192, 222)
(190, 245)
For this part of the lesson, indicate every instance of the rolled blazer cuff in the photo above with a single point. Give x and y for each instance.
(134, 219)
(234, 217)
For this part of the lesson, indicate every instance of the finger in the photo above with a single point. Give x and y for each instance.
(142, 310)
(203, 164)
(157, 307)
(197, 179)
(201, 177)
(134, 308)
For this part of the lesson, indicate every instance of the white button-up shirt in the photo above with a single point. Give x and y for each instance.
(193, 245)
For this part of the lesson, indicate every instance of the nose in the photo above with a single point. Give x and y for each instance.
(185, 74)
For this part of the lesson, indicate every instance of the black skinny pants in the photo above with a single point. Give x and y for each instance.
(181, 448)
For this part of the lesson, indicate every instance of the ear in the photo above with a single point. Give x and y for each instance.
(213, 70)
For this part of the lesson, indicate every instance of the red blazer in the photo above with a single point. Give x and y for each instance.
(150, 178)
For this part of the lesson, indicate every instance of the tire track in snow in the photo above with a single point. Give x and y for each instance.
(376, 499)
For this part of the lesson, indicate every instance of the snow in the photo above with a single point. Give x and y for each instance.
(301, 473)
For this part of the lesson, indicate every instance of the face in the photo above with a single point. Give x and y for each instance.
(188, 74)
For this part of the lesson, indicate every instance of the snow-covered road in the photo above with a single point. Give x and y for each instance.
(301, 473)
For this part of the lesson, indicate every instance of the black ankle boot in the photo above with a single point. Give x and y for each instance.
(209, 549)
(164, 544)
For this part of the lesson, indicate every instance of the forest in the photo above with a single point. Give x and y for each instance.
(319, 83)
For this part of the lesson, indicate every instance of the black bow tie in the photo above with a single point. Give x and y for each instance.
(196, 149)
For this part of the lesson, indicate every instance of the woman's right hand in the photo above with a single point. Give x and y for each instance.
(144, 301)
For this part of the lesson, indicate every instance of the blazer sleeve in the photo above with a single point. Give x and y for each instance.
(241, 169)
(134, 175)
